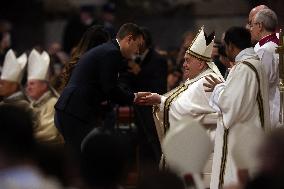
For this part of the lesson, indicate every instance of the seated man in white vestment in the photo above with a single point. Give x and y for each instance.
(10, 80)
(43, 98)
(243, 108)
(190, 98)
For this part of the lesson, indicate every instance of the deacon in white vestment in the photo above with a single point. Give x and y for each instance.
(263, 31)
(242, 104)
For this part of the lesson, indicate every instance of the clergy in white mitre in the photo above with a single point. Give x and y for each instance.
(190, 98)
(243, 109)
(263, 33)
(11, 77)
(43, 98)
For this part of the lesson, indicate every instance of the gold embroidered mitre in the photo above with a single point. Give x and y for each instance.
(201, 47)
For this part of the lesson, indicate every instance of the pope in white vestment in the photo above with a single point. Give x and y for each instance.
(190, 98)
(242, 104)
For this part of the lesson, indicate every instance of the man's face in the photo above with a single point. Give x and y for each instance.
(36, 88)
(229, 52)
(255, 31)
(133, 46)
(251, 15)
(192, 66)
(7, 88)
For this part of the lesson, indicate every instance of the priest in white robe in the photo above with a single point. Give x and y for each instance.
(243, 109)
(263, 32)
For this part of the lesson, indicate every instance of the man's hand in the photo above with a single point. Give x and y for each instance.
(147, 99)
(140, 97)
(212, 82)
(152, 99)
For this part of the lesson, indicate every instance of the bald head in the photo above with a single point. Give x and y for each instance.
(253, 13)
(257, 9)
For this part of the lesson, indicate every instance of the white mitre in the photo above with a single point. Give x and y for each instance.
(13, 68)
(38, 65)
(200, 50)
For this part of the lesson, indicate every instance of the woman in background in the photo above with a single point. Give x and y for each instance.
(94, 36)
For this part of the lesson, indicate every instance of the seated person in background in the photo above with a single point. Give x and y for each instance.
(18, 166)
(43, 98)
(10, 81)
(174, 78)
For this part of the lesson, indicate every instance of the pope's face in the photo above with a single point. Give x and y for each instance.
(192, 66)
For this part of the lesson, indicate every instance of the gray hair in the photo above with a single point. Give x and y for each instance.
(268, 18)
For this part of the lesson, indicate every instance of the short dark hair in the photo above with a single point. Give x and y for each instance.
(103, 158)
(238, 36)
(16, 135)
(1, 36)
(147, 37)
(127, 29)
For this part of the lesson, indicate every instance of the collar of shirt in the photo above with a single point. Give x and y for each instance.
(144, 54)
(117, 42)
(272, 37)
(245, 54)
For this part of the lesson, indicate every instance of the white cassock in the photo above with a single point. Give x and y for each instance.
(266, 52)
(242, 118)
(187, 100)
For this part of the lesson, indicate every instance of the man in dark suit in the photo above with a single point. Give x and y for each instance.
(94, 81)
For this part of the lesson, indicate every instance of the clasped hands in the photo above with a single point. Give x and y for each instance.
(147, 98)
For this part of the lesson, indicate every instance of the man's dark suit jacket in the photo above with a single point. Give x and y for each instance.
(93, 81)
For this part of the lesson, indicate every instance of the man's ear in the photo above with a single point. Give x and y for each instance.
(231, 47)
(260, 26)
(202, 65)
